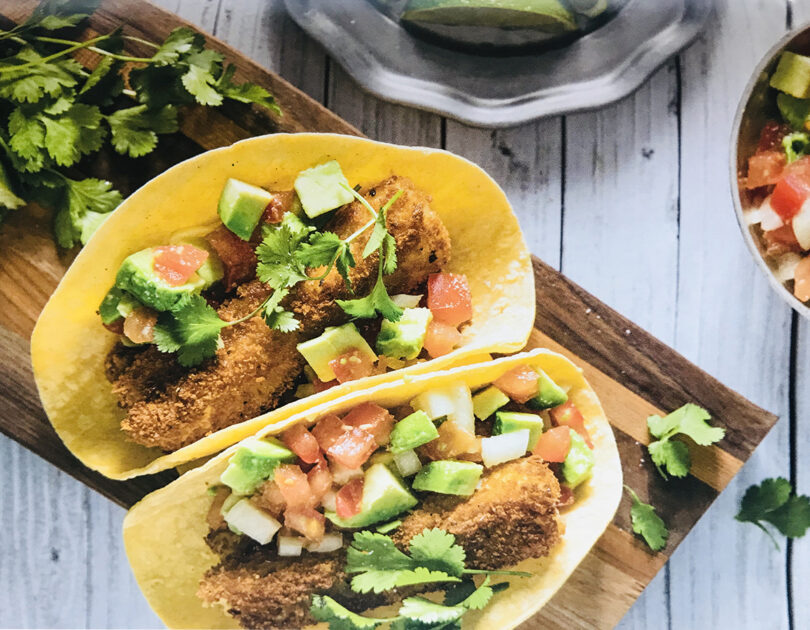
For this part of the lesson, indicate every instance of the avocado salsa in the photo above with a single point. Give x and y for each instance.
(491, 468)
(294, 292)
(775, 185)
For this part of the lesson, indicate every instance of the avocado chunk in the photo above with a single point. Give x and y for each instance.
(795, 145)
(253, 463)
(211, 270)
(108, 309)
(792, 75)
(549, 394)
(404, 339)
(488, 401)
(137, 276)
(334, 341)
(412, 431)
(578, 464)
(448, 476)
(795, 111)
(384, 497)
(509, 421)
(321, 189)
(241, 206)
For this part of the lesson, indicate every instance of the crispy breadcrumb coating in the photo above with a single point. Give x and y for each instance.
(512, 516)
(169, 406)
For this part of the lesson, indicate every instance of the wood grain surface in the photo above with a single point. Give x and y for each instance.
(601, 195)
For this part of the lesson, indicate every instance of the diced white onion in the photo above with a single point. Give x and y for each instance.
(330, 542)
(290, 545)
(403, 300)
(769, 220)
(329, 500)
(252, 521)
(801, 225)
(752, 216)
(453, 401)
(407, 463)
(342, 475)
(787, 266)
(502, 448)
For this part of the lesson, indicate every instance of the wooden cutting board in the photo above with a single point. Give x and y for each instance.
(634, 374)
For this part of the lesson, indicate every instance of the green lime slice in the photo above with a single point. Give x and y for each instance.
(549, 16)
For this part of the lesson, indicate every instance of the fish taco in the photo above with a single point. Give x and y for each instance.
(466, 497)
(251, 282)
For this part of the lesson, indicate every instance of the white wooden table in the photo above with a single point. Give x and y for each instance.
(632, 202)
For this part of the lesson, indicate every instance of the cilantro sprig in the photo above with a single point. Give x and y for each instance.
(54, 112)
(433, 558)
(672, 456)
(647, 523)
(773, 502)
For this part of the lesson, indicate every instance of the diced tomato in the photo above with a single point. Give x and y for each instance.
(554, 444)
(440, 339)
(302, 443)
(781, 240)
(280, 205)
(349, 498)
(322, 386)
(520, 384)
(175, 264)
(270, 498)
(566, 494)
(567, 415)
(237, 256)
(449, 298)
(452, 442)
(294, 486)
(788, 196)
(351, 366)
(771, 136)
(320, 479)
(353, 448)
(764, 169)
(801, 280)
(372, 419)
(306, 521)
(327, 431)
(139, 325)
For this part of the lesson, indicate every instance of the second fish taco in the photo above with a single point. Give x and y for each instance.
(463, 498)
(269, 276)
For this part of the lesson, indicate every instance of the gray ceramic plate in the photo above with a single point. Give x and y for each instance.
(601, 67)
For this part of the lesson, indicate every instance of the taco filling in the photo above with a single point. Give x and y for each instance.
(368, 509)
(292, 293)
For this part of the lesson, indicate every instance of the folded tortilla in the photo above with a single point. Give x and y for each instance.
(69, 345)
(164, 534)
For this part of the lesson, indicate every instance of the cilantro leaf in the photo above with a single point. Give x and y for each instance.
(437, 550)
(647, 523)
(324, 608)
(192, 330)
(31, 83)
(773, 502)
(374, 551)
(378, 301)
(201, 77)
(73, 133)
(27, 136)
(134, 130)
(275, 316)
(428, 612)
(690, 420)
(8, 199)
(379, 580)
(158, 86)
(245, 92)
(321, 250)
(670, 457)
(180, 41)
(80, 197)
(279, 264)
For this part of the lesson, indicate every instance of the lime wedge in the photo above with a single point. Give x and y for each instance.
(549, 16)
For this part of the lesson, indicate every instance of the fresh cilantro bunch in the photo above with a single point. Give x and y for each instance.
(54, 112)
(774, 502)
(672, 456)
(647, 523)
(434, 558)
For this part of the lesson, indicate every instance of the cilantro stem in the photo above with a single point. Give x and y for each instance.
(361, 199)
(7, 34)
(252, 314)
(145, 42)
(95, 49)
(497, 572)
(61, 53)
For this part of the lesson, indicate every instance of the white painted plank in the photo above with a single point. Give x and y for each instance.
(729, 322)
(620, 228)
(527, 163)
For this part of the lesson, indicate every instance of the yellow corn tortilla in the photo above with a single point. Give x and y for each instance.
(69, 345)
(164, 533)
